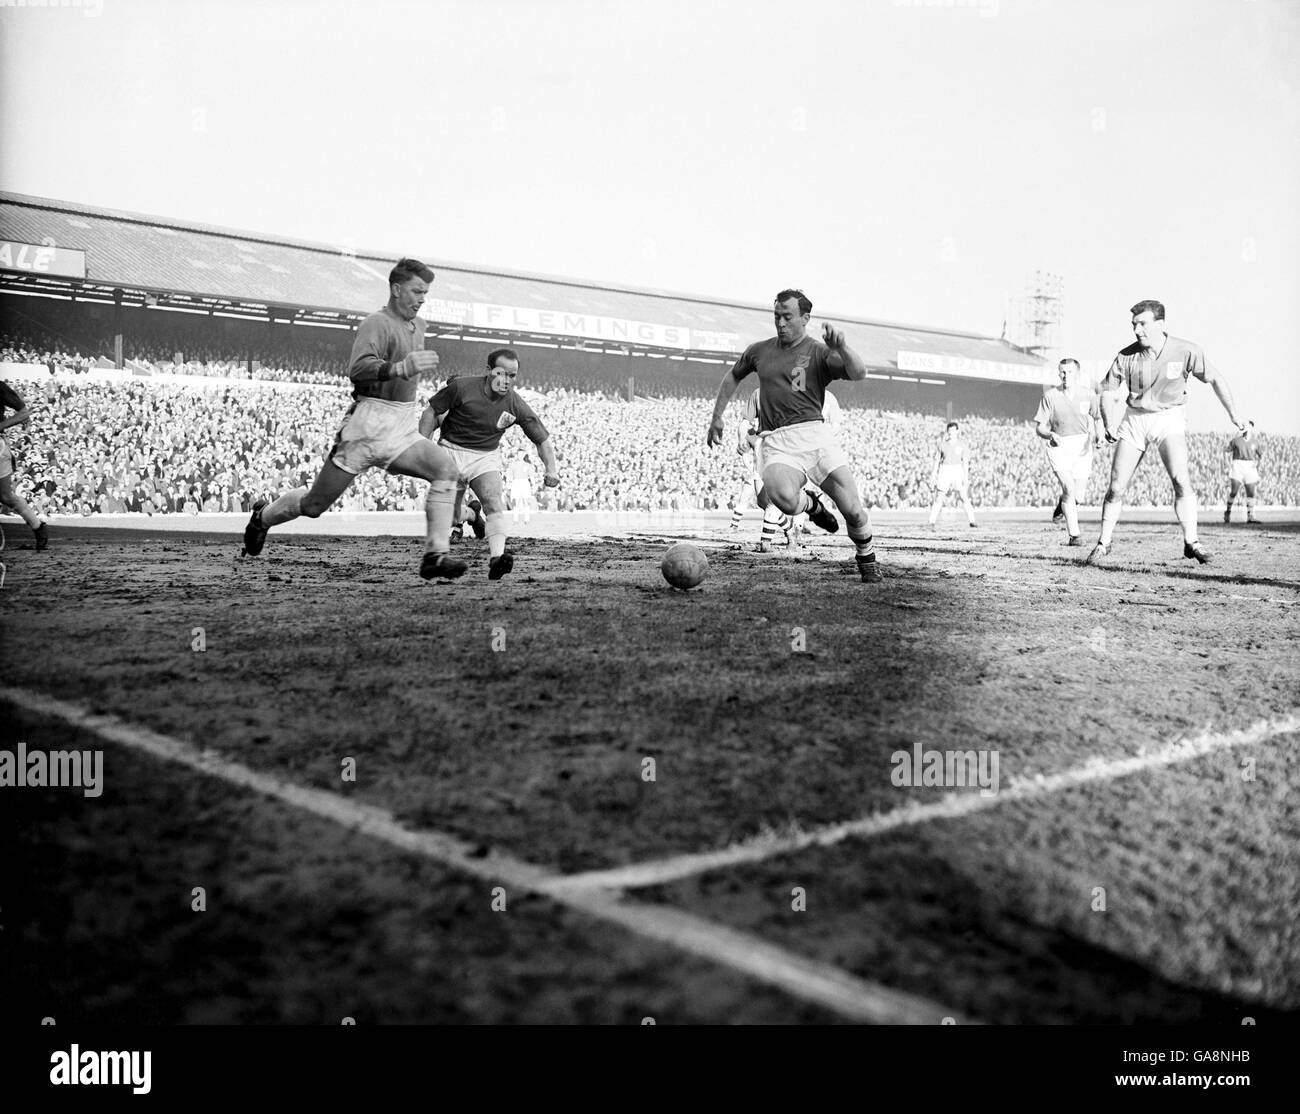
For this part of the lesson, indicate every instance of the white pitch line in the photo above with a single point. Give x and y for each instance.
(819, 983)
(953, 806)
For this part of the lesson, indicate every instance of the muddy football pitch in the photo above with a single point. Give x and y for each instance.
(1000, 786)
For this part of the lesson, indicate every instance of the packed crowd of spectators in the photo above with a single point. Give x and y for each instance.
(27, 349)
(168, 449)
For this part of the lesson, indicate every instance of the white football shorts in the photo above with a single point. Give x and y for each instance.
(809, 447)
(374, 433)
(950, 476)
(472, 463)
(1072, 457)
(1147, 429)
(1243, 472)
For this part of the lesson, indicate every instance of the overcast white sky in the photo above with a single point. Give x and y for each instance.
(910, 161)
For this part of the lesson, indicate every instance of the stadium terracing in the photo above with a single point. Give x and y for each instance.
(125, 263)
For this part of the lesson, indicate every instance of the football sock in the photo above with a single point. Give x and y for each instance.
(772, 522)
(1250, 507)
(438, 507)
(284, 509)
(1109, 516)
(1185, 509)
(862, 543)
(496, 534)
(1071, 510)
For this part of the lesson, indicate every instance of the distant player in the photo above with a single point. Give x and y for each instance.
(1155, 369)
(1243, 451)
(12, 400)
(951, 470)
(472, 414)
(1065, 420)
(380, 428)
(520, 475)
(793, 369)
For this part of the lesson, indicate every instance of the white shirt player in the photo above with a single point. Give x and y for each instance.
(520, 473)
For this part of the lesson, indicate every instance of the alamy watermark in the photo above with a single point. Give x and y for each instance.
(946, 767)
(22, 768)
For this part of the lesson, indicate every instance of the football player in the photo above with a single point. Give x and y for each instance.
(379, 429)
(1065, 420)
(951, 470)
(793, 369)
(1155, 369)
(9, 497)
(472, 414)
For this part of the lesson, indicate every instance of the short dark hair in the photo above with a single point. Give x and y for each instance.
(1157, 309)
(805, 302)
(407, 269)
(498, 353)
(951, 425)
(1069, 360)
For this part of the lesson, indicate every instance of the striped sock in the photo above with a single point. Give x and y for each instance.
(864, 546)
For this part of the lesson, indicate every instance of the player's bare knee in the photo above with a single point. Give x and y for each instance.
(1182, 488)
(855, 514)
(312, 508)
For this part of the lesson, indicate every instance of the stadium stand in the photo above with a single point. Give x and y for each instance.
(254, 294)
(172, 448)
(628, 376)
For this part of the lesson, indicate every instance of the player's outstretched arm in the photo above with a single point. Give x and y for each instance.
(546, 451)
(1104, 414)
(726, 389)
(841, 354)
(1215, 379)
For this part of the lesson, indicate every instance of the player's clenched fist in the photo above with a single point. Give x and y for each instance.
(715, 432)
(417, 364)
(833, 337)
(551, 479)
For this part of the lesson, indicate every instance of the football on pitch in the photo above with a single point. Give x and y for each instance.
(684, 565)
